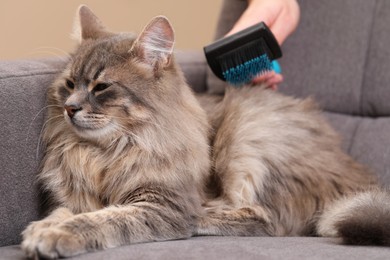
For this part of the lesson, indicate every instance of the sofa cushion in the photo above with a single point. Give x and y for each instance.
(338, 55)
(367, 140)
(376, 80)
(326, 56)
(230, 248)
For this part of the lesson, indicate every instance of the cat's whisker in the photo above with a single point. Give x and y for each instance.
(63, 59)
(32, 53)
(55, 48)
(63, 52)
(40, 134)
(158, 126)
(147, 121)
(117, 129)
(35, 117)
(123, 130)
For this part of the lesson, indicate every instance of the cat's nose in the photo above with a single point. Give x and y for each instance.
(72, 109)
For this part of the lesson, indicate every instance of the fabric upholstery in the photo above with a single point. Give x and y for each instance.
(256, 248)
(376, 80)
(327, 56)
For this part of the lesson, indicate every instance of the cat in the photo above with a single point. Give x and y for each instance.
(133, 155)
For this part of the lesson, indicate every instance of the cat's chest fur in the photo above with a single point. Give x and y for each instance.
(85, 177)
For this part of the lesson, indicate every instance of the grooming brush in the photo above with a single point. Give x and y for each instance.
(240, 57)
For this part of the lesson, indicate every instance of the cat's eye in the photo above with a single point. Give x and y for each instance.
(69, 84)
(101, 86)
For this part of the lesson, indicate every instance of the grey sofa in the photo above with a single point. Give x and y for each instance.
(339, 55)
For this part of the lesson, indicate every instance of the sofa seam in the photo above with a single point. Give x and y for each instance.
(366, 58)
(354, 134)
(354, 115)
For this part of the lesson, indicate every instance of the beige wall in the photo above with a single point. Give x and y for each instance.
(41, 28)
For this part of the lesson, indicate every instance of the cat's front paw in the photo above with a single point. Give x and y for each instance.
(53, 243)
(31, 236)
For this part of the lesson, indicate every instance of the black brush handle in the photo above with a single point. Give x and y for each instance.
(235, 41)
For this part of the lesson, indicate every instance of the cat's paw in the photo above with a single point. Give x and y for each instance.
(53, 243)
(31, 236)
(35, 227)
(32, 233)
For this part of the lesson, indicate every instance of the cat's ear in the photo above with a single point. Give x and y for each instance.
(87, 25)
(154, 45)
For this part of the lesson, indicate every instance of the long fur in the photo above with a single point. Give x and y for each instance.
(278, 155)
(360, 219)
(133, 156)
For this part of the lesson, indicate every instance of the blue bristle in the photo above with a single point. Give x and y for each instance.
(244, 73)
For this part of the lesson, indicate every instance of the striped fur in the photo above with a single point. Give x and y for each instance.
(128, 156)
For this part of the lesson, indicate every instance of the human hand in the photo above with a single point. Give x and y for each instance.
(281, 16)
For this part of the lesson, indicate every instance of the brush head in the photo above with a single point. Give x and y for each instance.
(240, 57)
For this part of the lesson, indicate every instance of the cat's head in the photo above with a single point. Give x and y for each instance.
(117, 81)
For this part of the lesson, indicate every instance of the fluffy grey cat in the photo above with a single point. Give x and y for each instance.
(133, 156)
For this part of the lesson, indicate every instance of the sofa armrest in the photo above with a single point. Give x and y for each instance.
(22, 98)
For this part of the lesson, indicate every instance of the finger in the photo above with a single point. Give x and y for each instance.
(271, 80)
(263, 78)
(275, 80)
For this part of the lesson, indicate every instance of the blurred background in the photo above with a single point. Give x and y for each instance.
(42, 28)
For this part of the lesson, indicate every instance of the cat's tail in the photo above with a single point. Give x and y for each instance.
(362, 219)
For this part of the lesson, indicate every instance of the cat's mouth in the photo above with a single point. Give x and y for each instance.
(89, 124)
